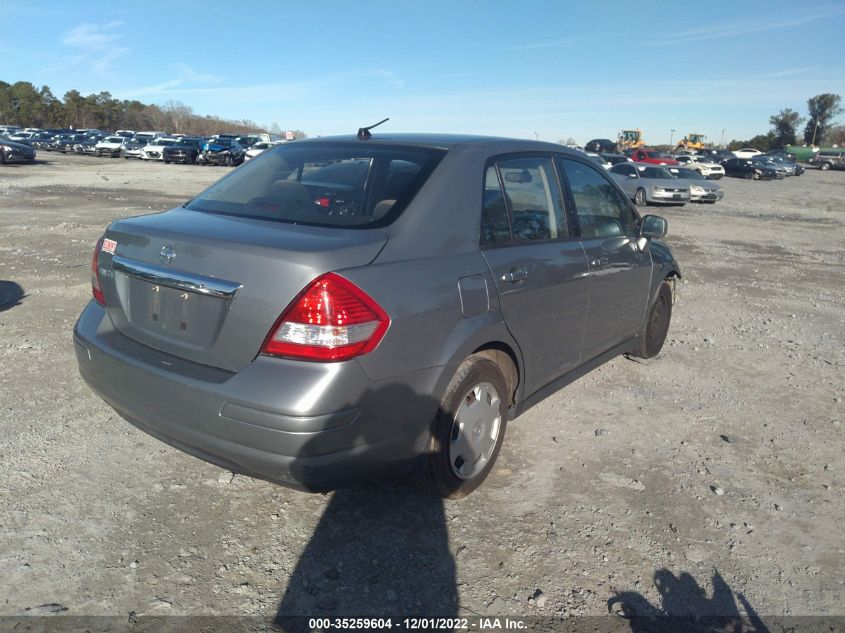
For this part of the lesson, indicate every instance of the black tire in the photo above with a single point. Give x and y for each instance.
(749, 175)
(639, 197)
(229, 161)
(437, 474)
(99, 153)
(656, 325)
(824, 166)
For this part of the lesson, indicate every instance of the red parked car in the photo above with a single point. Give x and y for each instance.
(652, 156)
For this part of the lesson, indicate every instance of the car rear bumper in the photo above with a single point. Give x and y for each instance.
(309, 426)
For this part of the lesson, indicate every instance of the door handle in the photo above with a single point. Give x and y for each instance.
(515, 275)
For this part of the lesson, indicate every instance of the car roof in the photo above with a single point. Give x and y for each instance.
(493, 144)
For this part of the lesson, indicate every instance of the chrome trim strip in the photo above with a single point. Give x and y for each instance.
(183, 281)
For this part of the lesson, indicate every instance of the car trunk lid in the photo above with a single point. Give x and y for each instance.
(208, 287)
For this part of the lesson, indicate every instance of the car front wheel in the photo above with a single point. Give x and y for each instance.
(824, 166)
(639, 198)
(467, 432)
(656, 326)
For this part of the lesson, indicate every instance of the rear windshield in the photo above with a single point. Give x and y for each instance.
(351, 185)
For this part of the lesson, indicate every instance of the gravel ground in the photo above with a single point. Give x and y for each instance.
(708, 480)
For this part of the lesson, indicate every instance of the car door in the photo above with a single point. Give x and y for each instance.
(620, 273)
(540, 269)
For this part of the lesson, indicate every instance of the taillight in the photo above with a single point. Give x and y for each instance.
(95, 274)
(332, 319)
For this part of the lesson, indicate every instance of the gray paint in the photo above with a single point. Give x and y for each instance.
(316, 425)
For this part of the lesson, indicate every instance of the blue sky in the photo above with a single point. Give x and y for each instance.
(553, 69)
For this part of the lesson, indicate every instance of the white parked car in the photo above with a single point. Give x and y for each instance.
(110, 146)
(747, 152)
(155, 149)
(711, 171)
(260, 147)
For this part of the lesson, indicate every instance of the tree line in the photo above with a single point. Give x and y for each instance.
(24, 105)
(819, 129)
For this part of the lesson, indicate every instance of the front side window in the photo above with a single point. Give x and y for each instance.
(323, 184)
(599, 207)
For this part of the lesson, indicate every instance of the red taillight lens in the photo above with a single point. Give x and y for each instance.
(332, 319)
(95, 274)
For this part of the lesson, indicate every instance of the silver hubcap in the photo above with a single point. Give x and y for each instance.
(475, 431)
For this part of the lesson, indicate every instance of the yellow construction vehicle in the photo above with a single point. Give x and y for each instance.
(630, 139)
(693, 140)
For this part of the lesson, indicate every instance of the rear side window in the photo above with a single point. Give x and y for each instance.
(495, 227)
(528, 189)
(325, 184)
(601, 210)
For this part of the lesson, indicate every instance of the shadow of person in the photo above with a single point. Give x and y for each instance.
(685, 606)
(380, 549)
(10, 295)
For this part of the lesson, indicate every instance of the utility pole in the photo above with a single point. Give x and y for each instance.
(722, 142)
(671, 137)
(815, 129)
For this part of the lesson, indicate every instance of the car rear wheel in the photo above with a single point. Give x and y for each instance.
(639, 197)
(467, 432)
(824, 166)
(657, 324)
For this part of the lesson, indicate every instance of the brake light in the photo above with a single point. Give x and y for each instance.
(332, 319)
(95, 274)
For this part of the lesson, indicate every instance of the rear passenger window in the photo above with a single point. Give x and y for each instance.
(495, 228)
(601, 210)
(533, 197)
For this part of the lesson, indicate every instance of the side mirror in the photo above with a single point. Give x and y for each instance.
(653, 226)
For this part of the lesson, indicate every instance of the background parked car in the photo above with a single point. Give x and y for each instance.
(223, 150)
(747, 152)
(710, 170)
(186, 150)
(12, 152)
(110, 146)
(652, 157)
(154, 150)
(259, 147)
(778, 172)
(700, 188)
(746, 168)
(650, 184)
(132, 148)
(829, 159)
(614, 159)
(601, 146)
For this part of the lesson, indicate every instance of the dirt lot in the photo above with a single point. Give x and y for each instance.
(707, 480)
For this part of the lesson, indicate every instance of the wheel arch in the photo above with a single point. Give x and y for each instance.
(506, 359)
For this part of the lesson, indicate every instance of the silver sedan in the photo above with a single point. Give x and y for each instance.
(650, 184)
